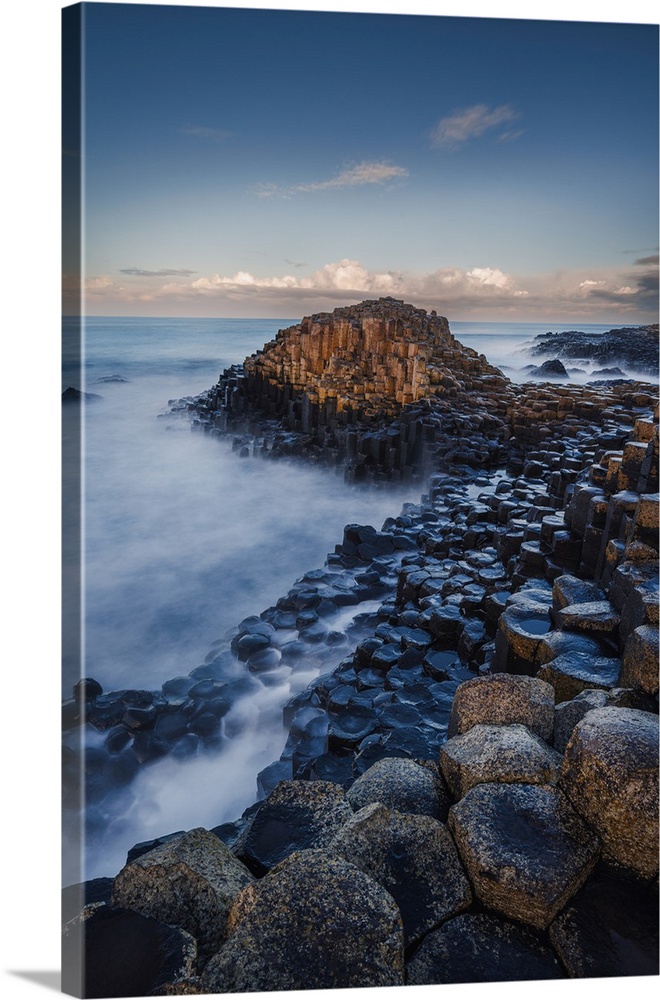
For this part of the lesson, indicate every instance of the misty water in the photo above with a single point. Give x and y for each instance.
(182, 539)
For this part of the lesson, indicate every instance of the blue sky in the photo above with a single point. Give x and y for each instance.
(274, 163)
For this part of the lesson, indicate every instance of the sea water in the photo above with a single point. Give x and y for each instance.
(182, 539)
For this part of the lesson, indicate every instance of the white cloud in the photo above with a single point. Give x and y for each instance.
(357, 176)
(456, 129)
(482, 292)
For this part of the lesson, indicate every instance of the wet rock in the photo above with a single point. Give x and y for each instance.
(402, 785)
(574, 672)
(315, 922)
(125, 953)
(609, 928)
(524, 847)
(190, 881)
(597, 618)
(414, 858)
(640, 659)
(296, 815)
(558, 643)
(355, 722)
(497, 753)
(610, 774)
(549, 369)
(518, 636)
(503, 699)
(481, 948)
(568, 589)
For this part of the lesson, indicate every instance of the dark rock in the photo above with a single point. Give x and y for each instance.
(524, 847)
(356, 937)
(481, 948)
(402, 785)
(549, 369)
(609, 928)
(126, 954)
(72, 395)
(356, 722)
(296, 815)
(414, 858)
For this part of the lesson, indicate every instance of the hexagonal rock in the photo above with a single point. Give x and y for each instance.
(497, 753)
(571, 673)
(609, 928)
(401, 784)
(640, 659)
(558, 643)
(610, 773)
(596, 618)
(503, 699)
(481, 948)
(568, 589)
(296, 815)
(414, 858)
(190, 882)
(525, 849)
(519, 632)
(314, 922)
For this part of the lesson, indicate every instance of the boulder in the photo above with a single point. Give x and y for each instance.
(190, 882)
(610, 774)
(609, 928)
(525, 849)
(481, 948)
(314, 922)
(296, 815)
(503, 699)
(497, 753)
(414, 858)
(640, 659)
(125, 953)
(403, 785)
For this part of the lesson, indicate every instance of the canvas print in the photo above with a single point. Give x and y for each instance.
(360, 479)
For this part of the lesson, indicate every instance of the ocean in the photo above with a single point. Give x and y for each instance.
(182, 539)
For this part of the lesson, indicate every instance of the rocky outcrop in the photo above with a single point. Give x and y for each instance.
(635, 347)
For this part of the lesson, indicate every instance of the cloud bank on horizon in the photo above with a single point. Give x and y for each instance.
(445, 161)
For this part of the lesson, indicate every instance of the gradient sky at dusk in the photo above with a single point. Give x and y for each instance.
(274, 163)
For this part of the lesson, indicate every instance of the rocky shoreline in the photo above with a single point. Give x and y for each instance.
(470, 792)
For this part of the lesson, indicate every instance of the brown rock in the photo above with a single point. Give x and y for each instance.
(314, 922)
(497, 753)
(191, 882)
(610, 774)
(525, 849)
(503, 699)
